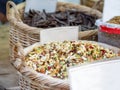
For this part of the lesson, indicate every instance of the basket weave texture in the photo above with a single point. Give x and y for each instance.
(32, 80)
(28, 35)
(90, 3)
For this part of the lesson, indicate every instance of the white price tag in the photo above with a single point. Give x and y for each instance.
(59, 34)
(47, 5)
(111, 9)
(71, 1)
(97, 76)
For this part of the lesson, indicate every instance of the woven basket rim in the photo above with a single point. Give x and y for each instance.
(35, 30)
(47, 77)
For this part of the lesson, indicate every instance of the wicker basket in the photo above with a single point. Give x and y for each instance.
(32, 80)
(92, 3)
(28, 35)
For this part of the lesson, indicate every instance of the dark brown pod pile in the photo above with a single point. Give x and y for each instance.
(58, 19)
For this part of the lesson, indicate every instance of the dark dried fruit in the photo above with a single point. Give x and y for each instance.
(59, 18)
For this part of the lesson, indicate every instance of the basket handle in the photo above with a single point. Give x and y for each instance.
(20, 51)
(20, 56)
(10, 5)
(96, 4)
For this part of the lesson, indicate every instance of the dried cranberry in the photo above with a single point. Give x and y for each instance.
(103, 52)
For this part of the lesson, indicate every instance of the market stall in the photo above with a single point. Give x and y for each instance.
(46, 41)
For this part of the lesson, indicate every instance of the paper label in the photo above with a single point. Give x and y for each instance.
(111, 9)
(59, 34)
(97, 76)
(71, 1)
(47, 5)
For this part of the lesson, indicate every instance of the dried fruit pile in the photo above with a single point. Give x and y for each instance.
(54, 58)
(115, 20)
(59, 18)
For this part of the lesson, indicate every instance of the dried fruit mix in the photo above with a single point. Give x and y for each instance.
(54, 58)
